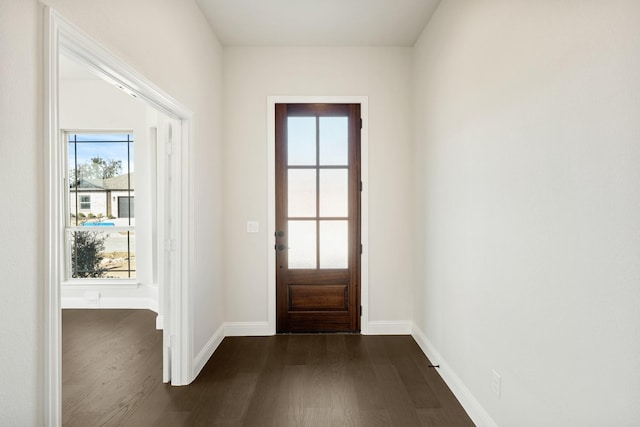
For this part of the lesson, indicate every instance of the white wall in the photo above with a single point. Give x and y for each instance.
(527, 154)
(21, 227)
(253, 74)
(171, 44)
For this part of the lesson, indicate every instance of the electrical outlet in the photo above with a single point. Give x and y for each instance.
(496, 383)
(92, 298)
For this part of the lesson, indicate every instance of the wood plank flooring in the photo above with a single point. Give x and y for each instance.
(112, 376)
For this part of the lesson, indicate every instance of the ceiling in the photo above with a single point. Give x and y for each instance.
(318, 22)
(303, 23)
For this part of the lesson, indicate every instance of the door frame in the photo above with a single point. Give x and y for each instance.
(61, 36)
(271, 202)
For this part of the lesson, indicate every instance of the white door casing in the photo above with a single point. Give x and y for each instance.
(271, 200)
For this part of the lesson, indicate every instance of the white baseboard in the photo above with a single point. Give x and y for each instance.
(477, 413)
(205, 354)
(394, 327)
(248, 329)
(160, 322)
(110, 302)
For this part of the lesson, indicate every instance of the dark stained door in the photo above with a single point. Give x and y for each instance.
(318, 217)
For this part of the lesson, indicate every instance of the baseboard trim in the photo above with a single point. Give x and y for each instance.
(160, 322)
(396, 327)
(207, 351)
(248, 329)
(109, 302)
(468, 401)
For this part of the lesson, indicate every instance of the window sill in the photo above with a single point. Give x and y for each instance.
(92, 284)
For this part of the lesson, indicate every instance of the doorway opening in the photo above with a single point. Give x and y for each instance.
(63, 39)
(362, 309)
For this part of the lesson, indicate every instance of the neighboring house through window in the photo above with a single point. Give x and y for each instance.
(100, 218)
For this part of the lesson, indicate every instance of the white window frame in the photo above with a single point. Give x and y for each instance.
(70, 228)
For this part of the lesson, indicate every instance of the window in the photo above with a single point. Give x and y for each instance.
(85, 203)
(100, 222)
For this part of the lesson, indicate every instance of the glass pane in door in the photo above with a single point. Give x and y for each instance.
(302, 244)
(334, 147)
(334, 244)
(301, 141)
(334, 192)
(301, 192)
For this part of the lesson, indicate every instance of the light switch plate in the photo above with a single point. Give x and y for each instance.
(253, 227)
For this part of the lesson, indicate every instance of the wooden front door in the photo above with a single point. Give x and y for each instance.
(318, 217)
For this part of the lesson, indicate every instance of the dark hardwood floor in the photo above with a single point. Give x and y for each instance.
(112, 376)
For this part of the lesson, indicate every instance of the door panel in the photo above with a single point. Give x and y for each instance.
(318, 297)
(318, 217)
